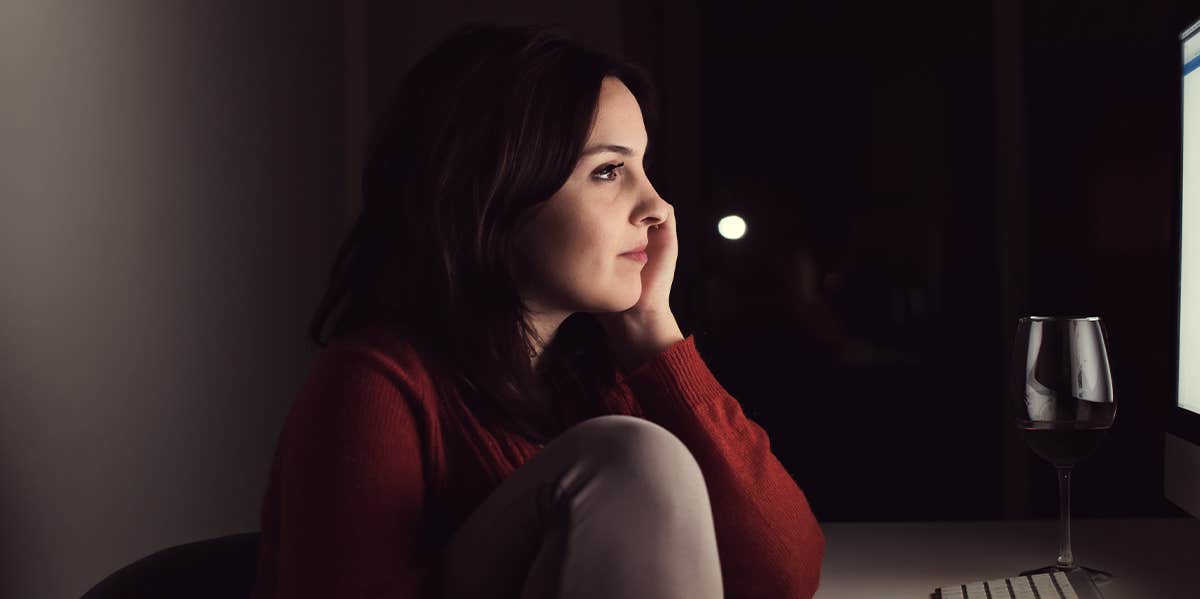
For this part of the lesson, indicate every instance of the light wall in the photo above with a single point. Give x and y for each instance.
(172, 187)
(174, 181)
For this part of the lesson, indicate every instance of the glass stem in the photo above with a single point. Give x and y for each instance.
(1066, 559)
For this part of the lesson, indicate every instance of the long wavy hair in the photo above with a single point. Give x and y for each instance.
(483, 129)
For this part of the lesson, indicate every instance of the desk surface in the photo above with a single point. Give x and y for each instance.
(1149, 558)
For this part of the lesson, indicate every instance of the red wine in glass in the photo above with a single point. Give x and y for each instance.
(1062, 394)
(1063, 444)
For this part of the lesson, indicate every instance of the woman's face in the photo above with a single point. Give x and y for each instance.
(571, 250)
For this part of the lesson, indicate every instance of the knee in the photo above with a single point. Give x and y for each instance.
(637, 445)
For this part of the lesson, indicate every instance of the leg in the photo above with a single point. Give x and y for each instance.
(615, 507)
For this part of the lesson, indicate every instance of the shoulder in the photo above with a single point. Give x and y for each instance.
(366, 400)
(377, 357)
(381, 347)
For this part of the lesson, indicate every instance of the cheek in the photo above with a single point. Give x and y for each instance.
(592, 264)
(574, 259)
(578, 258)
(573, 239)
(556, 251)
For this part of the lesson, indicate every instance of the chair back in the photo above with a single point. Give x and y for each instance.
(217, 568)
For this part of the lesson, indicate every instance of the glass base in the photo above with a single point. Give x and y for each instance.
(1097, 576)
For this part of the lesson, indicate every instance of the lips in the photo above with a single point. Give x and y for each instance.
(637, 254)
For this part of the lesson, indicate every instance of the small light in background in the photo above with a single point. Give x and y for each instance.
(731, 227)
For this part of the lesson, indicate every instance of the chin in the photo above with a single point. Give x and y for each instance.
(609, 298)
(627, 304)
(614, 303)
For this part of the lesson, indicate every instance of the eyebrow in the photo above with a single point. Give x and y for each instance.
(624, 151)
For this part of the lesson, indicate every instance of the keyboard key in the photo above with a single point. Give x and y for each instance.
(1063, 583)
(998, 589)
(1044, 587)
(1021, 586)
(975, 591)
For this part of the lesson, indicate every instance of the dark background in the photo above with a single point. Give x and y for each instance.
(914, 179)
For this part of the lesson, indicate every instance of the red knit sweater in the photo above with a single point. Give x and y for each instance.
(373, 473)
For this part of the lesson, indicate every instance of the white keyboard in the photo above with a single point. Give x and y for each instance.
(1038, 586)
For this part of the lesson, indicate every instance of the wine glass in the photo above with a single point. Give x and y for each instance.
(1064, 405)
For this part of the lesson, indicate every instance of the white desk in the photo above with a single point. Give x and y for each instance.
(1149, 558)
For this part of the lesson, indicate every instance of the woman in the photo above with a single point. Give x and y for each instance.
(507, 406)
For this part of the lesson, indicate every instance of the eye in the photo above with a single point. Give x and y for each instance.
(609, 169)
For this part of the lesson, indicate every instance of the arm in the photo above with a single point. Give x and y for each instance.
(351, 488)
(769, 540)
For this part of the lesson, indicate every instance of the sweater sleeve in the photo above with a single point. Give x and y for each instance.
(769, 542)
(352, 497)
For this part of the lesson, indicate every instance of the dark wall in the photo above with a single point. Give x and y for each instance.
(1103, 95)
(857, 320)
(914, 180)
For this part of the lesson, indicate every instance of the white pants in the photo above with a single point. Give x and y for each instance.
(615, 508)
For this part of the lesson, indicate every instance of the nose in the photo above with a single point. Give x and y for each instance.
(653, 209)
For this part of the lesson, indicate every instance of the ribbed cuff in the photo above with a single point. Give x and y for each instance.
(679, 375)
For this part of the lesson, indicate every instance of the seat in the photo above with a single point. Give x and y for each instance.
(217, 568)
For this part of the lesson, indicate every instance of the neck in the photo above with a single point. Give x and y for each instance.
(545, 324)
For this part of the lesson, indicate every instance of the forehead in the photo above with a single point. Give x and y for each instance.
(618, 115)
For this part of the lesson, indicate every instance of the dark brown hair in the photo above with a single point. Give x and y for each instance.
(479, 132)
